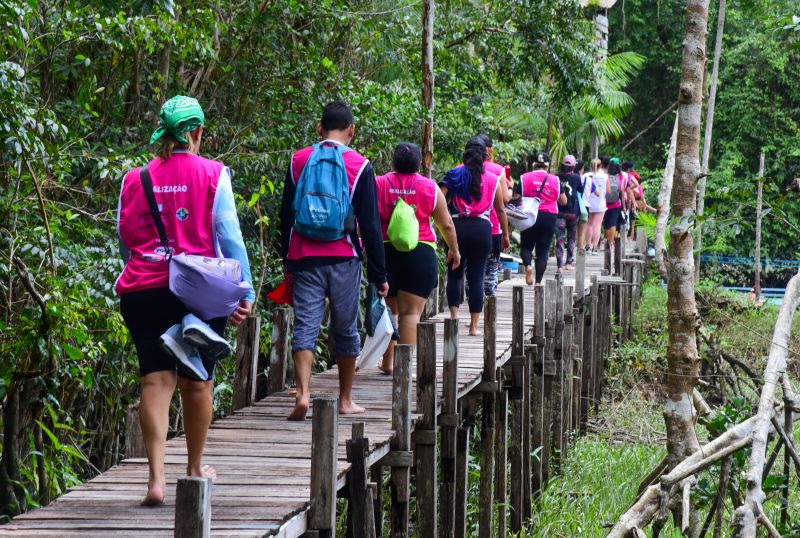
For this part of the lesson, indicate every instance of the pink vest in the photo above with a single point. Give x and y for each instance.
(497, 170)
(302, 247)
(185, 186)
(416, 190)
(531, 182)
(623, 184)
(478, 208)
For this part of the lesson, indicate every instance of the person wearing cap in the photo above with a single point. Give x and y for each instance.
(568, 215)
(539, 183)
(198, 211)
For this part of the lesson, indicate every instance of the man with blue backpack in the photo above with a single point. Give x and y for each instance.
(329, 210)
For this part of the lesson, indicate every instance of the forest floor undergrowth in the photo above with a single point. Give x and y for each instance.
(626, 438)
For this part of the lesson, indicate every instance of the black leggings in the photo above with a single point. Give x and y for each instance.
(474, 244)
(539, 237)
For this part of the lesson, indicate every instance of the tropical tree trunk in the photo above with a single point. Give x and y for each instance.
(683, 362)
(427, 87)
(712, 99)
(664, 196)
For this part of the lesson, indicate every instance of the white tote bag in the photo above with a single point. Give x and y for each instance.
(523, 214)
(375, 346)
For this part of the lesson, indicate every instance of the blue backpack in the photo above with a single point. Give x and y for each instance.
(322, 208)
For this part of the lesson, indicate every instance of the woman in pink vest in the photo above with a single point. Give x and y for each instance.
(539, 183)
(195, 199)
(472, 192)
(412, 275)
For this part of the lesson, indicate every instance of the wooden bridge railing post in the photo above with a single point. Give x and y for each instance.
(506, 274)
(360, 514)
(536, 353)
(566, 357)
(558, 381)
(246, 371)
(193, 507)
(517, 452)
(590, 352)
(501, 456)
(280, 352)
(467, 412)
(324, 442)
(425, 436)
(401, 442)
(549, 376)
(488, 417)
(448, 420)
(134, 442)
(607, 262)
(619, 249)
(376, 478)
(577, 365)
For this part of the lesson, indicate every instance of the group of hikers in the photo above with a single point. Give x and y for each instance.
(335, 217)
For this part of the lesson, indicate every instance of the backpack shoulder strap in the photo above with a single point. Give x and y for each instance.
(147, 187)
(544, 182)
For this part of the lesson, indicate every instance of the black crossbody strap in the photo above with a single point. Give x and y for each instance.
(541, 187)
(147, 186)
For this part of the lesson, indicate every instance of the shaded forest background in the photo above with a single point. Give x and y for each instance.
(81, 83)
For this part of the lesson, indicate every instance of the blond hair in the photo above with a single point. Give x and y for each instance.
(169, 143)
(596, 164)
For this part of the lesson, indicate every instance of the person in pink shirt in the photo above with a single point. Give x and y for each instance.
(412, 275)
(539, 183)
(472, 192)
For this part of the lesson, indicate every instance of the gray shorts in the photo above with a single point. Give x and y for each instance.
(341, 283)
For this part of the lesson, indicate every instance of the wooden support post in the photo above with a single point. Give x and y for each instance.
(486, 503)
(623, 292)
(449, 420)
(425, 438)
(535, 355)
(641, 241)
(619, 249)
(558, 381)
(501, 456)
(281, 350)
(361, 515)
(607, 263)
(134, 442)
(467, 413)
(401, 442)
(603, 337)
(549, 375)
(577, 365)
(566, 357)
(431, 305)
(376, 477)
(591, 351)
(506, 274)
(245, 374)
(518, 455)
(580, 274)
(324, 439)
(193, 507)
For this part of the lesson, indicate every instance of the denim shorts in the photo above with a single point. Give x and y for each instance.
(340, 283)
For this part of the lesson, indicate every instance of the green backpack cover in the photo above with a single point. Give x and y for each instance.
(403, 230)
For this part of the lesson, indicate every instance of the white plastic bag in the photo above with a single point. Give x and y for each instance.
(523, 215)
(375, 346)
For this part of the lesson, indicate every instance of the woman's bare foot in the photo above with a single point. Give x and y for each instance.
(473, 330)
(155, 493)
(529, 275)
(347, 407)
(385, 371)
(300, 410)
(206, 471)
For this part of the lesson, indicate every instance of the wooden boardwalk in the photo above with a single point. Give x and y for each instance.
(263, 460)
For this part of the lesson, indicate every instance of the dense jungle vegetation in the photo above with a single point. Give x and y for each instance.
(81, 82)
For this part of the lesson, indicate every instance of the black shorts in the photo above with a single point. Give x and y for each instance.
(148, 314)
(612, 218)
(415, 272)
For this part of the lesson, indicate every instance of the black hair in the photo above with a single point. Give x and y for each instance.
(484, 138)
(627, 166)
(336, 116)
(604, 161)
(579, 165)
(474, 155)
(407, 158)
(614, 169)
(566, 169)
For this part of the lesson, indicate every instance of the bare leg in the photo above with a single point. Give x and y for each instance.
(474, 320)
(302, 374)
(410, 308)
(197, 409)
(347, 369)
(157, 390)
(453, 311)
(388, 356)
(529, 275)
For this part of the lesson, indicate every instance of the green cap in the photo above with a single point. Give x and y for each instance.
(614, 160)
(179, 115)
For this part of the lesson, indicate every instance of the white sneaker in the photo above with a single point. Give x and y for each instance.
(212, 346)
(187, 357)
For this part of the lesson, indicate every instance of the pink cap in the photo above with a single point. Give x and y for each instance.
(569, 160)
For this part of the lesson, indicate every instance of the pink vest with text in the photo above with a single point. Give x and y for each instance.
(302, 247)
(478, 208)
(550, 193)
(416, 190)
(185, 186)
